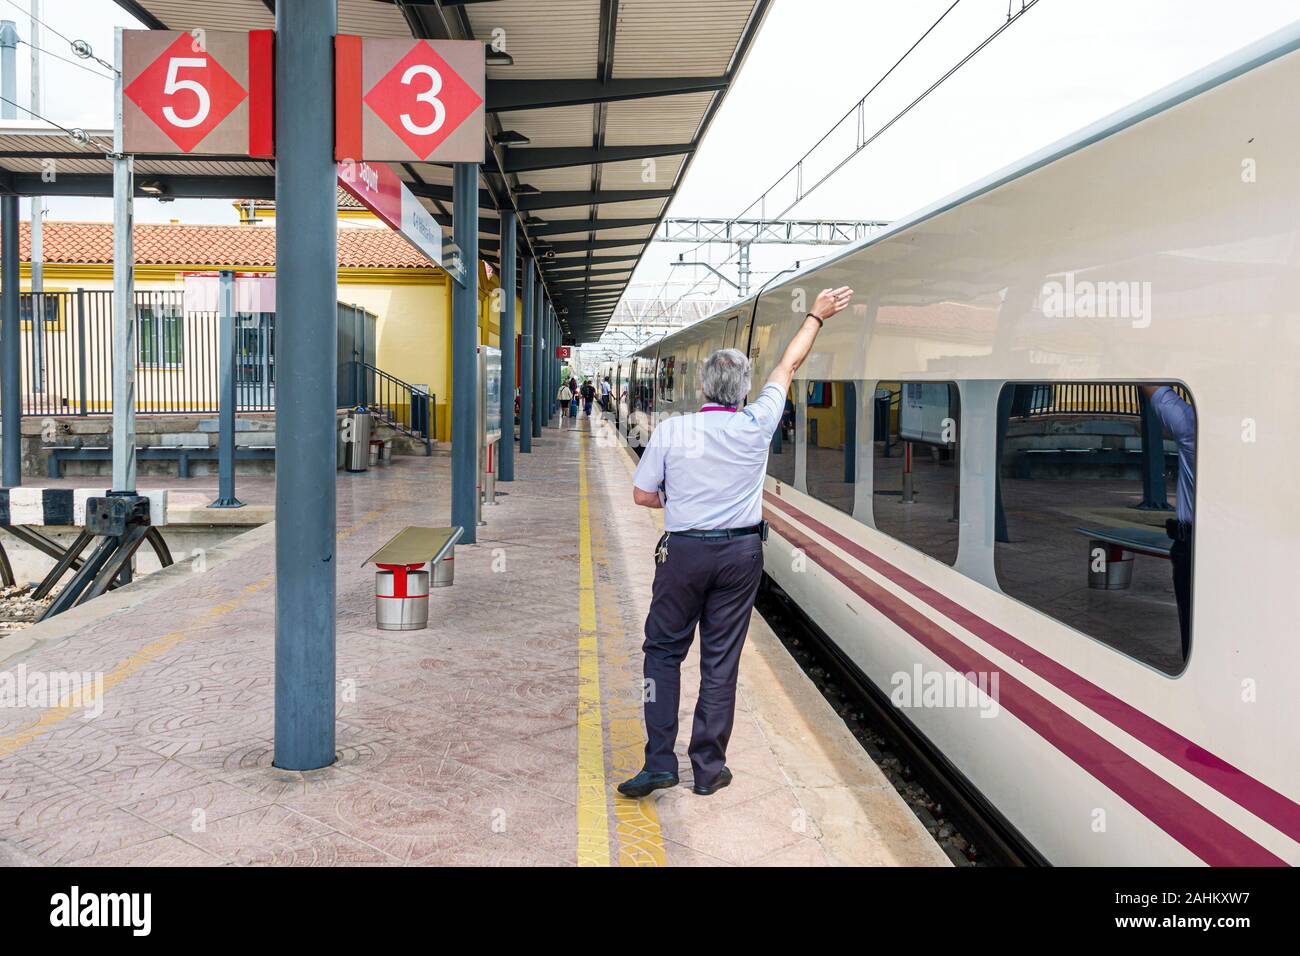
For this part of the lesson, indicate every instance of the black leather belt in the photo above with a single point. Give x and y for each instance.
(721, 532)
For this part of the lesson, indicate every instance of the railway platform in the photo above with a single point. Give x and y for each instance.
(495, 736)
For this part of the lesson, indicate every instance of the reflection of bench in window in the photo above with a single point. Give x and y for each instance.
(1120, 544)
(1032, 462)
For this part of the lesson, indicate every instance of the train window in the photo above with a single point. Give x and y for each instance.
(830, 447)
(729, 333)
(666, 365)
(915, 479)
(780, 457)
(1094, 511)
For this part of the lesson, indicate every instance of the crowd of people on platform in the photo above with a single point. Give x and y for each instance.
(571, 396)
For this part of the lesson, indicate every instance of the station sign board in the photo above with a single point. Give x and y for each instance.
(204, 92)
(403, 100)
(563, 351)
(382, 191)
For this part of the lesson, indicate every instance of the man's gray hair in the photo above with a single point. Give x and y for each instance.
(725, 377)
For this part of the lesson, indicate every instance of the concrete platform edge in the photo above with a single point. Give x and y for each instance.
(123, 599)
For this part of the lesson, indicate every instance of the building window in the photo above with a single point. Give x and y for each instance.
(51, 308)
(780, 457)
(915, 458)
(1095, 511)
(830, 446)
(159, 336)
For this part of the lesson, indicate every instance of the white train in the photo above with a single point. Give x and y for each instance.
(1006, 532)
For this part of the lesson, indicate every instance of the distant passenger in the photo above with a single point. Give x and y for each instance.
(588, 396)
(706, 471)
(573, 403)
(1179, 419)
(604, 393)
(564, 397)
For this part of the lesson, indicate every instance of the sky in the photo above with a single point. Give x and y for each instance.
(1064, 64)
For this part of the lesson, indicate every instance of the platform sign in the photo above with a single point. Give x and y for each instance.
(563, 351)
(382, 191)
(408, 100)
(199, 93)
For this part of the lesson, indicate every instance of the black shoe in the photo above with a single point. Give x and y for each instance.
(646, 782)
(723, 780)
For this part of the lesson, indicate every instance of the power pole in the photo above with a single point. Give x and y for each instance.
(38, 220)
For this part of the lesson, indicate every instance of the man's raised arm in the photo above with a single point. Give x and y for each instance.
(829, 302)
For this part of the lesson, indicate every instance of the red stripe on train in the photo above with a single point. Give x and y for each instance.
(1238, 786)
(1209, 837)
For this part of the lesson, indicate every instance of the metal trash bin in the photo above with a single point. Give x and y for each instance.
(357, 455)
(1115, 572)
(444, 572)
(401, 598)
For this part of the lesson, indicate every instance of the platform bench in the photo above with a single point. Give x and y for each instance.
(177, 453)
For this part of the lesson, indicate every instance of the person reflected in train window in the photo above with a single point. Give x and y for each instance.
(1179, 419)
(787, 420)
(706, 471)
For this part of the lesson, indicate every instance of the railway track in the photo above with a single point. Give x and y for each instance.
(963, 822)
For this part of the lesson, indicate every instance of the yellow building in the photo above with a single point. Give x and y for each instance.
(378, 271)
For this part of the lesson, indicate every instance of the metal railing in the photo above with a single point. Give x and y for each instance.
(409, 409)
(1080, 398)
(67, 362)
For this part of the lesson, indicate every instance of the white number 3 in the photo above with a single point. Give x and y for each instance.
(174, 85)
(429, 96)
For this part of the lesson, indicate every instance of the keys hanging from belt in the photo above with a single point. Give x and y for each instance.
(661, 549)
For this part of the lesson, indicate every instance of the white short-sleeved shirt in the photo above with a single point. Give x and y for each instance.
(710, 465)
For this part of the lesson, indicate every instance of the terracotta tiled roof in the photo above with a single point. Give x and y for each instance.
(345, 200)
(215, 246)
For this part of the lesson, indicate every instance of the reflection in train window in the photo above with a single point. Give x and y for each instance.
(666, 378)
(831, 454)
(1090, 526)
(915, 481)
(780, 457)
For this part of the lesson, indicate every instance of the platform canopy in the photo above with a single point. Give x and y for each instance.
(581, 94)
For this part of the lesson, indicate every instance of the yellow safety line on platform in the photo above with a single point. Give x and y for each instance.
(640, 839)
(79, 700)
(593, 807)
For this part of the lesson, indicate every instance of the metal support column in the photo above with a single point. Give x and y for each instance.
(123, 299)
(526, 360)
(226, 397)
(306, 372)
(464, 354)
(11, 399)
(11, 388)
(506, 447)
(542, 343)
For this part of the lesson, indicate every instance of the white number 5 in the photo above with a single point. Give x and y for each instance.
(174, 85)
(429, 96)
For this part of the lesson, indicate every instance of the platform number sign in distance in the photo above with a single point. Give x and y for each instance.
(201, 93)
(408, 101)
(563, 351)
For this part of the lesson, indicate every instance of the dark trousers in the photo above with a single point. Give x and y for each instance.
(710, 582)
(1180, 556)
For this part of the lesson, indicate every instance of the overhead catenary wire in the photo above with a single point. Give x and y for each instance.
(69, 61)
(1012, 17)
(77, 134)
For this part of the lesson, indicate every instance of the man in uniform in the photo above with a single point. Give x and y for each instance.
(706, 471)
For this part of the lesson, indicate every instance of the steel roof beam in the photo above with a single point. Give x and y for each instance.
(582, 197)
(507, 95)
(561, 226)
(520, 160)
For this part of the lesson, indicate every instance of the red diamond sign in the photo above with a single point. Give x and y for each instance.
(422, 100)
(197, 93)
(404, 101)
